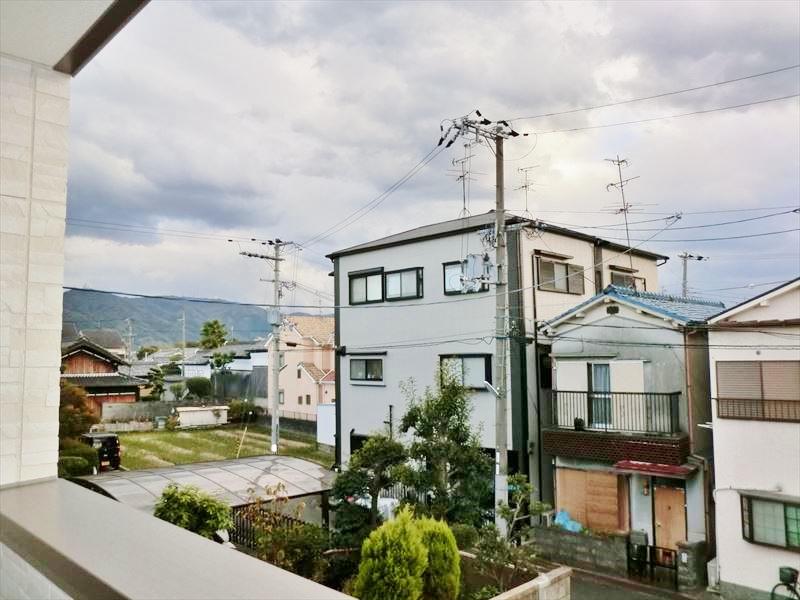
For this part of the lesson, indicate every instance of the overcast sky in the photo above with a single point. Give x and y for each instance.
(279, 119)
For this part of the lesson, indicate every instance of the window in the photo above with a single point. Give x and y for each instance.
(454, 280)
(472, 369)
(366, 287)
(400, 285)
(763, 390)
(560, 277)
(599, 376)
(628, 280)
(299, 399)
(771, 522)
(366, 369)
(298, 373)
(281, 360)
(280, 397)
(308, 398)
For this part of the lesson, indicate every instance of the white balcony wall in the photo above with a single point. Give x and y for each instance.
(34, 119)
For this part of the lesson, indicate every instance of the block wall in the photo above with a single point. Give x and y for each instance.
(34, 119)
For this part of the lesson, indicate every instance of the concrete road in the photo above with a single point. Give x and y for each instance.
(587, 587)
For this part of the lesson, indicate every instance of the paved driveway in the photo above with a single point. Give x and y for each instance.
(586, 587)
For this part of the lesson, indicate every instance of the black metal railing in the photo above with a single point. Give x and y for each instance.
(624, 412)
(245, 533)
(758, 409)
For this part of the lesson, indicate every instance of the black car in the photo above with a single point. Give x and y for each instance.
(108, 450)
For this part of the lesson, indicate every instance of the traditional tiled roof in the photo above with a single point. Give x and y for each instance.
(319, 328)
(330, 377)
(682, 310)
(104, 380)
(107, 338)
(83, 344)
(313, 370)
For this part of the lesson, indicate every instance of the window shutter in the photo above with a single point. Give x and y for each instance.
(576, 280)
(740, 380)
(781, 380)
(546, 275)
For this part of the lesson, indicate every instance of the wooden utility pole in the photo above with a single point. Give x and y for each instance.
(275, 323)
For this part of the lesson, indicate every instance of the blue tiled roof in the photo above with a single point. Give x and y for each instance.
(684, 310)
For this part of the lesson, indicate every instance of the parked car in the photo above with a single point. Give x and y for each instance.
(108, 449)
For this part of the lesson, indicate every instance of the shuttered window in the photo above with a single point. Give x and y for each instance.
(560, 277)
(739, 379)
(781, 380)
(763, 390)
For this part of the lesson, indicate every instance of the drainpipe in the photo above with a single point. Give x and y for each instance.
(536, 364)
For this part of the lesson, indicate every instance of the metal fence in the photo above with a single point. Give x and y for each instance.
(627, 412)
(400, 492)
(244, 532)
(758, 409)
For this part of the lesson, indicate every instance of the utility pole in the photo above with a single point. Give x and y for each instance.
(275, 322)
(484, 130)
(620, 185)
(685, 258)
(130, 339)
(183, 344)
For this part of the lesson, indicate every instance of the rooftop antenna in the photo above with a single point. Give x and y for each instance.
(528, 185)
(620, 185)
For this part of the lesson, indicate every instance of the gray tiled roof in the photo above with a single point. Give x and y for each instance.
(107, 338)
(111, 380)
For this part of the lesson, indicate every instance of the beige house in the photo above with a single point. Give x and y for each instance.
(307, 378)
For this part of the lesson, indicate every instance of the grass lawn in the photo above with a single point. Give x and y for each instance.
(144, 450)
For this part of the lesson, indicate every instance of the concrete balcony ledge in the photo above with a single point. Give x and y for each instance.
(88, 546)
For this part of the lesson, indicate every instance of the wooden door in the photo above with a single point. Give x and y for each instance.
(670, 516)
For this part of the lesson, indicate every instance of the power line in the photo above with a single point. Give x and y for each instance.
(655, 96)
(675, 116)
(732, 237)
(683, 212)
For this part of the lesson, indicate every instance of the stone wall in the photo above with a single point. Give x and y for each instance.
(34, 118)
(553, 585)
(692, 572)
(602, 553)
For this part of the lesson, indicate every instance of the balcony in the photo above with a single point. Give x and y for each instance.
(615, 426)
(618, 412)
(757, 409)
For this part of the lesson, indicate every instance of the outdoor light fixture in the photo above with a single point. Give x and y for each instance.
(646, 488)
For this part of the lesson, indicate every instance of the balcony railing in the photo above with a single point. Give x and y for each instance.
(758, 409)
(616, 411)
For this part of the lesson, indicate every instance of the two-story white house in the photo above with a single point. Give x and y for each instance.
(402, 310)
(754, 354)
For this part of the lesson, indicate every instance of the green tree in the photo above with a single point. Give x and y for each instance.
(75, 417)
(155, 382)
(377, 461)
(393, 560)
(171, 368)
(195, 510)
(199, 386)
(213, 335)
(145, 350)
(505, 557)
(219, 366)
(449, 465)
(442, 577)
(177, 390)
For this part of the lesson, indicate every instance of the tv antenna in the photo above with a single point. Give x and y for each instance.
(626, 207)
(527, 186)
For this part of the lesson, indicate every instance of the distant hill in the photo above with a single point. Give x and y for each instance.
(155, 321)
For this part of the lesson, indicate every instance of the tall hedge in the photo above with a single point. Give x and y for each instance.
(393, 560)
(189, 507)
(442, 578)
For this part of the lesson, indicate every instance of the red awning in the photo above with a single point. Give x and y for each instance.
(657, 469)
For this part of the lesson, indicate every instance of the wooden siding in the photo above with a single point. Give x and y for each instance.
(83, 362)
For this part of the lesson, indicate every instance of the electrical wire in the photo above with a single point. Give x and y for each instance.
(664, 117)
(716, 239)
(655, 96)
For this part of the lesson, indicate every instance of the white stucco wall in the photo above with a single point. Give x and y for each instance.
(383, 327)
(198, 371)
(755, 455)
(34, 118)
(202, 416)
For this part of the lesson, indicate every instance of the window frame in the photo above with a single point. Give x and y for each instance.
(365, 380)
(419, 291)
(746, 514)
(552, 288)
(484, 286)
(487, 374)
(364, 274)
(308, 399)
(631, 276)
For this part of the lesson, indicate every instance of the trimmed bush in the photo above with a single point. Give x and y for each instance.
(74, 448)
(442, 577)
(189, 507)
(393, 560)
(466, 535)
(200, 387)
(73, 466)
(238, 411)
